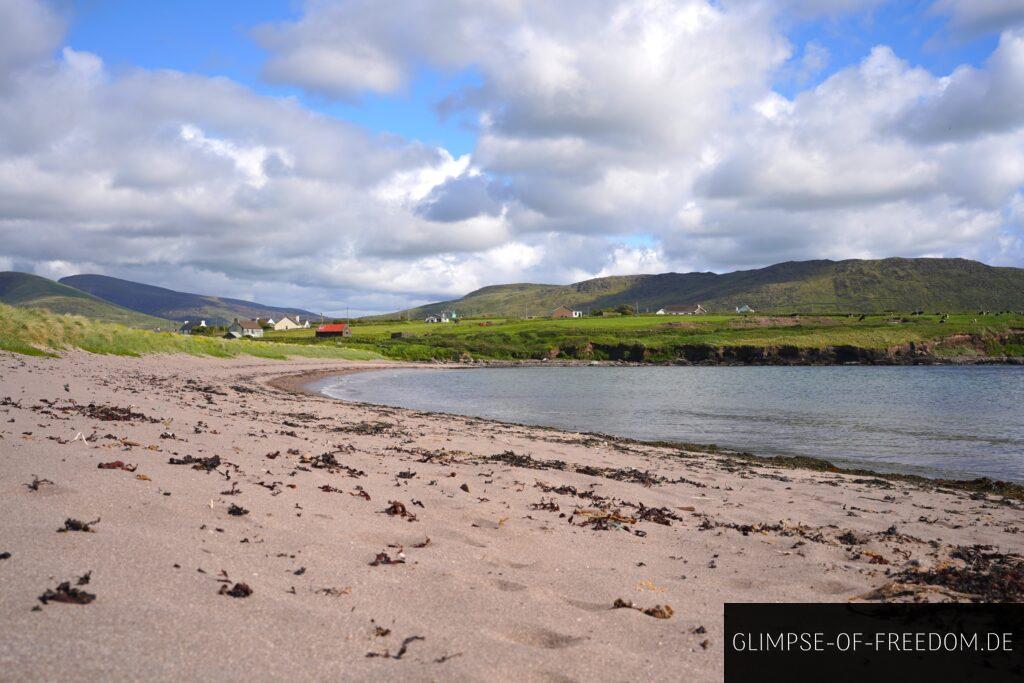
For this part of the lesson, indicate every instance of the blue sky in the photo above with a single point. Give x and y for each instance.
(215, 39)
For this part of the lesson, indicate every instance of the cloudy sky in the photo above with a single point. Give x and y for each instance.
(377, 155)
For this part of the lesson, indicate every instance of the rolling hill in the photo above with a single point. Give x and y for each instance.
(897, 284)
(27, 290)
(167, 303)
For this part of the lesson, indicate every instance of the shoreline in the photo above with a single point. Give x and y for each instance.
(355, 528)
(306, 384)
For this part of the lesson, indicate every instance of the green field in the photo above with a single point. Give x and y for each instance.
(653, 338)
(38, 332)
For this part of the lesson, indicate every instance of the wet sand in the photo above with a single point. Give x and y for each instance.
(316, 514)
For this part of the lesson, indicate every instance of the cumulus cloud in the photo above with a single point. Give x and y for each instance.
(972, 102)
(970, 18)
(28, 32)
(601, 125)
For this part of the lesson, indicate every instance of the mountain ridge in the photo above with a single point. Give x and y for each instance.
(172, 304)
(35, 291)
(851, 285)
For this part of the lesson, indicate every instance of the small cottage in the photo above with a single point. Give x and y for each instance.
(565, 312)
(334, 330)
(245, 328)
(744, 309)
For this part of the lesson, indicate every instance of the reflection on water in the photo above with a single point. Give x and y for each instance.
(946, 421)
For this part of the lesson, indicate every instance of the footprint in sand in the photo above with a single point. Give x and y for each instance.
(538, 636)
(508, 586)
(588, 606)
(834, 587)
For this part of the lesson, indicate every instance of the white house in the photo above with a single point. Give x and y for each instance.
(682, 310)
(565, 312)
(744, 309)
(442, 317)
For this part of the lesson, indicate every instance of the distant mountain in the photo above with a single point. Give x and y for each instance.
(167, 303)
(25, 289)
(897, 284)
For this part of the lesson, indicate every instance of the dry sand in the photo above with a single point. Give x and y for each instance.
(517, 581)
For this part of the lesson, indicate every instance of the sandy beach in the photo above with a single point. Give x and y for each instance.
(238, 527)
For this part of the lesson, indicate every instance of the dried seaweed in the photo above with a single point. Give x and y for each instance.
(987, 575)
(239, 590)
(383, 558)
(328, 461)
(516, 460)
(117, 465)
(397, 509)
(107, 413)
(401, 650)
(208, 464)
(658, 611)
(68, 594)
(36, 483)
(367, 428)
(71, 524)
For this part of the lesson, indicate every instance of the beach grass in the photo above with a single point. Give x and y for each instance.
(37, 331)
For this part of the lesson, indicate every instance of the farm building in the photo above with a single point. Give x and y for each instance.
(287, 323)
(565, 312)
(682, 310)
(334, 330)
(744, 309)
(245, 328)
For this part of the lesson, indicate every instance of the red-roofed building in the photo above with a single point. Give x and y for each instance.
(333, 330)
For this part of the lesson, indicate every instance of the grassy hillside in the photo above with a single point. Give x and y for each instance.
(948, 285)
(167, 303)
(25, 289)
(36, 331)
(665, 339)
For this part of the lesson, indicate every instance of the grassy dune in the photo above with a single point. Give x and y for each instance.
(661, 338)
(36, 331)
(25, 289)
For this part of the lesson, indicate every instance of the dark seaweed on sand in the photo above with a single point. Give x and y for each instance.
(987, 575)
(208, 464)
(68, 594)
(239, 590)
(71, 524)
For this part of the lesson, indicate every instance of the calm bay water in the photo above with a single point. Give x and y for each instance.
(936, 421)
